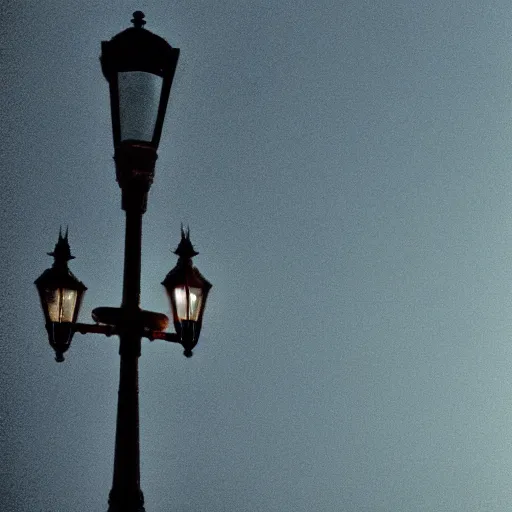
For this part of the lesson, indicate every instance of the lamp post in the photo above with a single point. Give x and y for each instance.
(139, 67)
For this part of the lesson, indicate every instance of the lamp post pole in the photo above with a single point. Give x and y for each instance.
(126, 495)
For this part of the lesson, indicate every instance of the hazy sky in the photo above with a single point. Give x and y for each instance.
(345, 168)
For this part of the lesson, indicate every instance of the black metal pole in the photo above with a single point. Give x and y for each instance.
(126, 495)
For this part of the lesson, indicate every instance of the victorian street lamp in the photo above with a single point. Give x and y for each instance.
(187, 290)
(139, 67)
(61, 295)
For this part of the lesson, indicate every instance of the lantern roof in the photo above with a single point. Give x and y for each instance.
(186, 275)
(62, 251)
(59, 277)
(137, 49)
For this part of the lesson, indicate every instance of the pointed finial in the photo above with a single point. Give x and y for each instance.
(138, 19)
(66, 235)
(185, 248)
(62, 251)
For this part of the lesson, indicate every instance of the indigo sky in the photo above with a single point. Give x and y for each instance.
(345, 169)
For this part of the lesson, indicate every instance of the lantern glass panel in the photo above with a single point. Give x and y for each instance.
(61, 304)
(139, 99)
(188, 302)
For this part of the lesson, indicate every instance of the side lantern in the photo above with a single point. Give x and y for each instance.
(61, 295)
(187, 290)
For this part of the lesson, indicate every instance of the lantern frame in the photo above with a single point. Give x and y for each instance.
(186, 276)
(138, 49)
(55, 280)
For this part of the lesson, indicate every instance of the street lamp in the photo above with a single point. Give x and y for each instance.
(187, 290)
(61, 296)
(139, 67)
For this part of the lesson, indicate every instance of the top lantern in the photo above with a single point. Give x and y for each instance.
(139, 67)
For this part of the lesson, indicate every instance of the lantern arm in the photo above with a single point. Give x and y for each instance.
(109, 321)
(161, 335)
(110, 330)
(107, 330)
